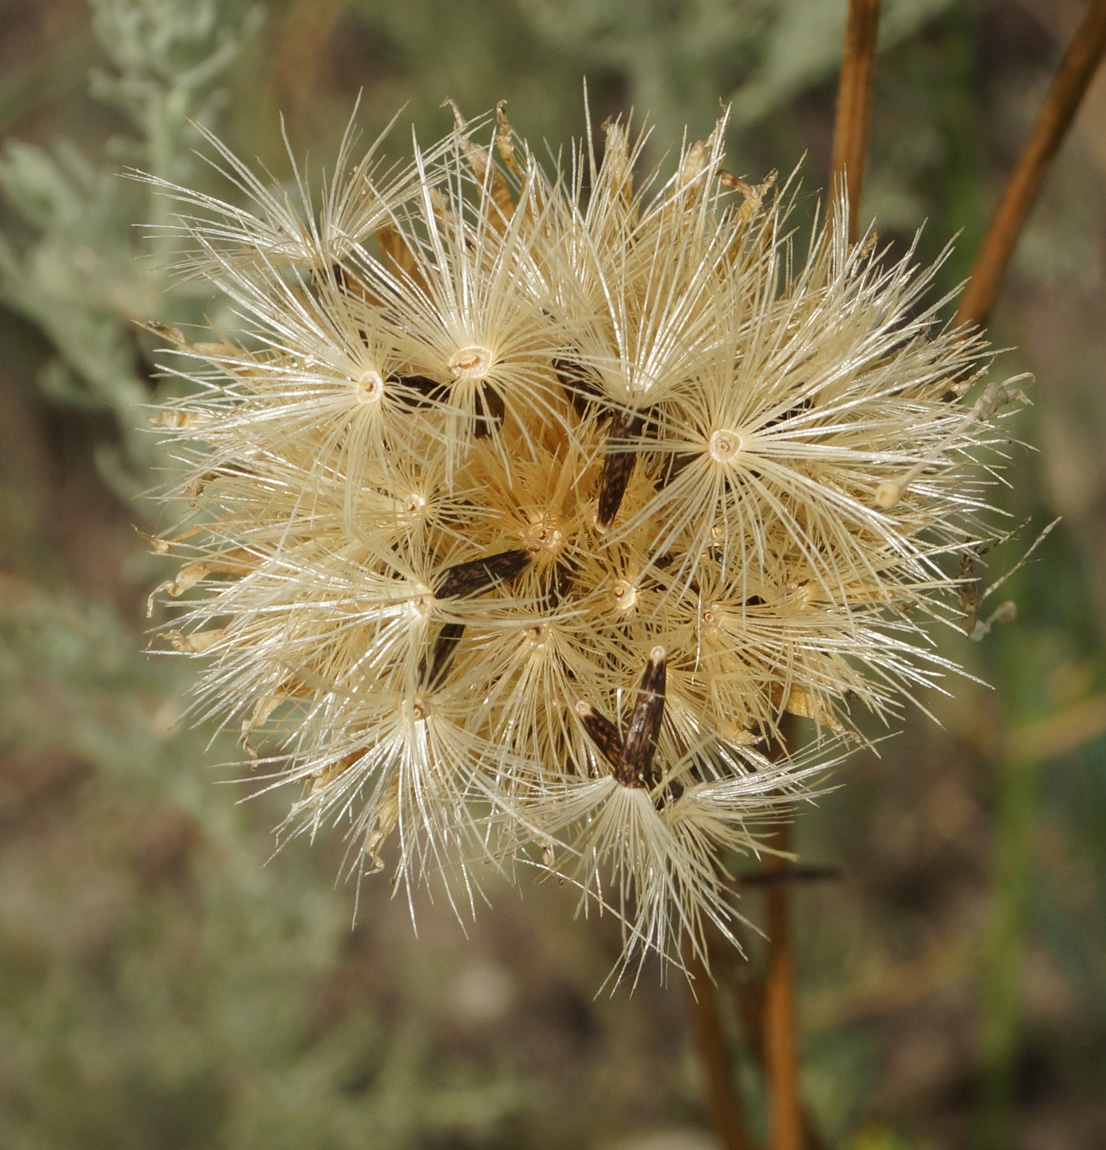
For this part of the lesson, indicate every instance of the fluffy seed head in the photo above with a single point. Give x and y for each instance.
(527, 504)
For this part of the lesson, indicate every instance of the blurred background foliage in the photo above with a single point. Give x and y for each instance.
(165, 983)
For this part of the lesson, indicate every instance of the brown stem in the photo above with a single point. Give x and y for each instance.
(781, 1055)
(854, 103)
(726, 1109)
(735, 973)
(1063, 99)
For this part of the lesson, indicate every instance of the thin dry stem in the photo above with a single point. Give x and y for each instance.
(854, 103)
(1072, 79)
(724, 1100)
(781, 1055)
(747, 989)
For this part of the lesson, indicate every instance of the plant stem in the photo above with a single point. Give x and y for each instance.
(726, 1108)
(854, 103)
(1072, 79)
(781, 1055)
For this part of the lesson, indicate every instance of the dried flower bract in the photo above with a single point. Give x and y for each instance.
(526, 504)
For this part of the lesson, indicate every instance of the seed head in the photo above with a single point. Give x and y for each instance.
(526, 504)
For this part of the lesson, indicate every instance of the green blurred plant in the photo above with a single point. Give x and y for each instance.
(69, 263)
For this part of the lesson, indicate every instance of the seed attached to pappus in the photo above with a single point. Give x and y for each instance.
(632, 757)
(479, 575)
(618, 465)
